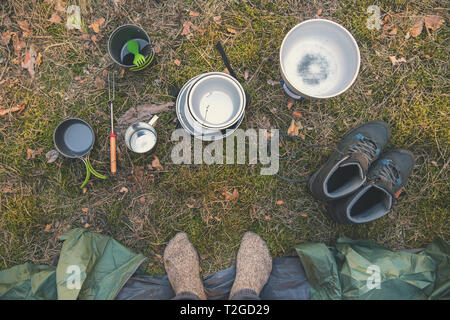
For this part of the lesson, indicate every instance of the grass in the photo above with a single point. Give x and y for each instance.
(412, 97)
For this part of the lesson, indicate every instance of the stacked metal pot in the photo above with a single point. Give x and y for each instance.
(211, 106)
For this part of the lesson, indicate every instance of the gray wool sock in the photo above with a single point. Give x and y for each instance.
(253, 264)
(182, 266)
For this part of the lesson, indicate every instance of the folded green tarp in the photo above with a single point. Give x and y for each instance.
(360, 269)
(91, 266)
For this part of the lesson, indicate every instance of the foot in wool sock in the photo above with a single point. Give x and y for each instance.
(253, 265)
(182, 266)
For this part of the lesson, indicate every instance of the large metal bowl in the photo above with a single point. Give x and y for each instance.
(216, 100)
(318, 59)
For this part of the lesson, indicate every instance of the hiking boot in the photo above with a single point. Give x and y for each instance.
(345, 171)
(253, 265)
(375, 199)
(182, 266)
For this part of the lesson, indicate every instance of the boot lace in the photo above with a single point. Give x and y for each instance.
(389, 173)
(366, 147)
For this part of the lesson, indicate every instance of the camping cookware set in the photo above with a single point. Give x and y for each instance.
(211, 106)
(318, 59)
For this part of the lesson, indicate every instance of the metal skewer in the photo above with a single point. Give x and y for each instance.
(112, 136)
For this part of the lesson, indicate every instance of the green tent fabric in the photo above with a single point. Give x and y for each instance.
(28, 281)
(104, 263)
(439, 252)
(100, 263)
(321, 271)
(361, 269)
(349, 270)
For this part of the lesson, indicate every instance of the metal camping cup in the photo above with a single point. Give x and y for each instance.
(318, 59)
(141, 137)
(118, 42)
(216, 100)
(74, 138)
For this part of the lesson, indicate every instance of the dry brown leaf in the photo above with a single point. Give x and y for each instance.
(393, 32)
(6, 37)
(13, 109)
(290, 104)
(218, 19)
(193, 203)
(187, 29)
(230, 196)
(39, 59)
(157, 48)
(7, 22)
(433, 22)
(59, 6)
(246, 73)
(396, 61)
(96, 24)
(99, 83)
(31, 154)
(55, 18)
(417, 28)
(48, 227)
(231, 30)
(294, 128)
(194, 13)
(279, 202)
(297, 114)
(18, 44)
(389, 29)
(142, 111)
(25, 26)
(156, 164)
(30, 61)
(85, 210)
(303, 214)
(177, 62)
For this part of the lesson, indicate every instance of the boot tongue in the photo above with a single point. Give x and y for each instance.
(357, 159)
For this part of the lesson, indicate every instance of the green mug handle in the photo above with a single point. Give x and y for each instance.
(95, 173)
(90, 170)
